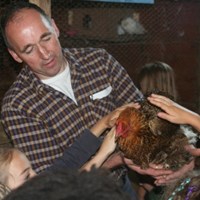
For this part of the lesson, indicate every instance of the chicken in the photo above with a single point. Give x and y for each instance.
(145, 138)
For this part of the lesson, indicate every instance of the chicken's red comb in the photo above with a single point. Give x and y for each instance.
(122, 129)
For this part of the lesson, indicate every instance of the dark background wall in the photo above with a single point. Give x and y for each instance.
(172, 36)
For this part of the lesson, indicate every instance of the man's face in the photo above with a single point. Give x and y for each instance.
(34, 41)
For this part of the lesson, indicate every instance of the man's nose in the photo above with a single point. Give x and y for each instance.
(44, 53)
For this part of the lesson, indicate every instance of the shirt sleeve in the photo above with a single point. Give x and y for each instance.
(78, 153)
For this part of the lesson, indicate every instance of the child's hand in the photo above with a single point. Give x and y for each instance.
(107, 147)
(173, 112)
(111, 118)
(109, 144)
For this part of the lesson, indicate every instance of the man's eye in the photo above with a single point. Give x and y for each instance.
(29, 50)
(46, 38)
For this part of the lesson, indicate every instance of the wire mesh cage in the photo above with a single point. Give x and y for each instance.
(136, 34)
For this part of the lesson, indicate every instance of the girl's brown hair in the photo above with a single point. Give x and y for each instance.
(157, 76)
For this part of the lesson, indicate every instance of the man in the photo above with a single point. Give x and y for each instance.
(59, 92)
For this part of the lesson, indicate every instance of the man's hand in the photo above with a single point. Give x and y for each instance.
(161, 176)
(155, 171)
(175, 175)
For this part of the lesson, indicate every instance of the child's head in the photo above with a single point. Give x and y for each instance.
(157, 76)
(15, 168)
(61, 184)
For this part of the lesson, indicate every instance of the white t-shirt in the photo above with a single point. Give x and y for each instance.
(62, 83)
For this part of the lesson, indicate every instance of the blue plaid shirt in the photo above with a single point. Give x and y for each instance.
(43, 122)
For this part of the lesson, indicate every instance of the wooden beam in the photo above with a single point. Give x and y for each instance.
(44, 4)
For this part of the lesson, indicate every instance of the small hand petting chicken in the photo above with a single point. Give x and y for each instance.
(145, 138)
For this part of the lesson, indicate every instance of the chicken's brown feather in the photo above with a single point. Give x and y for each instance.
(150, 139)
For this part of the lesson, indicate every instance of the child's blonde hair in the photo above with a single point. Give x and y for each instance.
(6, 156)
(157, 76)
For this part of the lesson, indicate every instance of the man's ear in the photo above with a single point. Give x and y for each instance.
(15, 56)
(55, 27)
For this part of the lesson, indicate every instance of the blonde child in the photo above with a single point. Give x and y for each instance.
(15, 168)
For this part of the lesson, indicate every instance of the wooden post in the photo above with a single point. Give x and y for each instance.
(44, 4)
